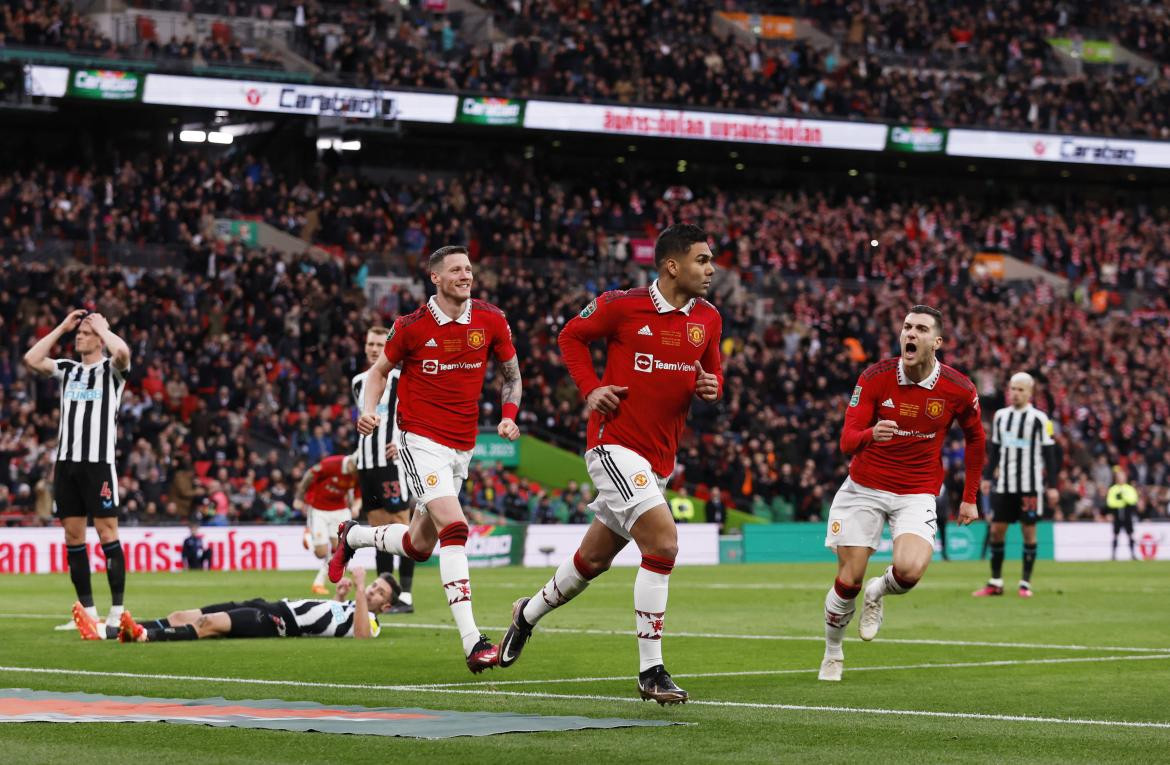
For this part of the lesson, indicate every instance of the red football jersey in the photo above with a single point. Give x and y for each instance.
(911, 462)
(652, 348)
(330, 485)
(444, 361)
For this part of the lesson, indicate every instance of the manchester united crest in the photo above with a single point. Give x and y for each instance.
(640, 480)
(935, 407)
(432, 480)
(476, 338)
(835, 527)
(696, 333)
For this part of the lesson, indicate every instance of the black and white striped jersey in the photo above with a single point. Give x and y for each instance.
(1018, 437)
(327, 618)
(90, 397)
(371, 452)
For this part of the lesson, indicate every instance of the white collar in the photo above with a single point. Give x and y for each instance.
(928, 383)
(663, 306)
(441, 318)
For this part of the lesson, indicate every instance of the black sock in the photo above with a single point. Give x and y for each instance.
(1132, 554)
(1029, 561)
(406, 572)
(186, 632)
(996, 560)
(384, 562)
(157, 624)
(115, 570)
(79, 572)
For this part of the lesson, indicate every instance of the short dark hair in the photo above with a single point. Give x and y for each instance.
(435, 262)
(379, 331)
(937, 314)
(677, 240)
(395, 587)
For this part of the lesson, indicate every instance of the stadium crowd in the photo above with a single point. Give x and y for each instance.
(242, 360)
(957, 65)
(510, 211)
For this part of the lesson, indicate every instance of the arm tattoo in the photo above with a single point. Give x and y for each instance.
(511, 388)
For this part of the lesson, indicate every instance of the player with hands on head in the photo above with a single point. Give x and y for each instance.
(85, 481)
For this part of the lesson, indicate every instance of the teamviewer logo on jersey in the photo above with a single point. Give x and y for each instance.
(430, 367)
(644, 362)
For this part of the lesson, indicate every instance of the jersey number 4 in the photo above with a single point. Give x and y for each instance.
(105, 493)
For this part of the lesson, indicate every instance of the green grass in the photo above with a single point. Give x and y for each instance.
(1118, 605)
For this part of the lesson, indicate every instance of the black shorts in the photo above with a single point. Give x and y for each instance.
(266, 618)
(85, 490)
(1123, 519)
(381, 490)
(1010, 508)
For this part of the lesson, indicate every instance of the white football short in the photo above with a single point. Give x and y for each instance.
(626, 486)
(858, 512)
(432, 470)
(323, 525)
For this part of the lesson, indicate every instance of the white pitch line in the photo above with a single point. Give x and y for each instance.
(802, 638)
(34, 616)
(619, 699)
(811, 670)
(734, 636)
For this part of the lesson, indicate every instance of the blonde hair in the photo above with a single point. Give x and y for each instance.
(1022, 377)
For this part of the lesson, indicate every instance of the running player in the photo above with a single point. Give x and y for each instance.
(384, 499)
(85, 483)
(443, 348)
(339, 617)
(326, 495)
(662, 350)
(895, 424)
(1023, 454)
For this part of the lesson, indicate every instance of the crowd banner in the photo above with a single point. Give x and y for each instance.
(299, 98)
(766, 26)
(233, 548)
(1094, 541)
(704, 126)
(548, 545)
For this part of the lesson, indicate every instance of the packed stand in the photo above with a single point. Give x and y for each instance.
(242, 346)
(59, 25)
(962, 66)
(514, 212)
(965, 67)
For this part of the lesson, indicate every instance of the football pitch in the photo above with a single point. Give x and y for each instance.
(1079, 673)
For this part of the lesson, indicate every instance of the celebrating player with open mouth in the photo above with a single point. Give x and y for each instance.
(443, 348)
(662, 349)
(895, 425)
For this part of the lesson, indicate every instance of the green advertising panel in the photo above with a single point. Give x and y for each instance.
(1090, 51)
(105, 84)
(244, 231)
(490, 447)
(805, 542)
(492, 546)
(479, 110)
(917, 140)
